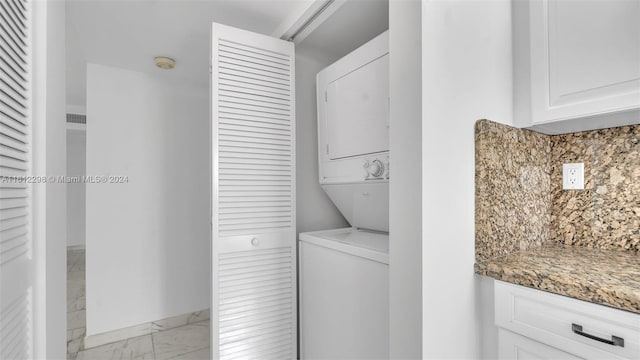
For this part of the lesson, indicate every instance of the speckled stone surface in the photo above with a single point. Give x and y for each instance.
(606, 214)
(607, 277)
(581, 244)
(513, 197)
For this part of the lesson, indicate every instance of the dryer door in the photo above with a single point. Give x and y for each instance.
(358, 111)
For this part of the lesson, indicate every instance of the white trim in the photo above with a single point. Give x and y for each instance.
(49, 200)
(306, 19)
(145, 328)
(39, 191)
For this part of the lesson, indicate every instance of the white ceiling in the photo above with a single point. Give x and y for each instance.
(129, 34)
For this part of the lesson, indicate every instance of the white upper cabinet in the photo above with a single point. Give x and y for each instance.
(577, 64)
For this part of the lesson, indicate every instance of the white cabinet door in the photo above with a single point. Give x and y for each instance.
(584, 58)
(17, 267)
(516, 347)
(253, 313)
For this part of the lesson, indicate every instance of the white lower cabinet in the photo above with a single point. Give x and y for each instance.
(534, 324)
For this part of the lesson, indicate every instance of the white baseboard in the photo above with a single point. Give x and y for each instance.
(144, 329)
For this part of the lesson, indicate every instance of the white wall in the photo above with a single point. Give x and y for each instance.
(466, 76)
(76, 163)
(49, 153)
(314, 209)
(405, 219)
(147, 243)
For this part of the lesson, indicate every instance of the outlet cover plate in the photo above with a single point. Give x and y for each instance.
(573, 176)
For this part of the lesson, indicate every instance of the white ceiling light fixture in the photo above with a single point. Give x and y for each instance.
(164, 62)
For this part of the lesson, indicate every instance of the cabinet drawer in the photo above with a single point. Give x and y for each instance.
(516, 347)
(556, 320)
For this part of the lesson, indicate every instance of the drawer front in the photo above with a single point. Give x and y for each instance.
(557, 320)
(516, 347)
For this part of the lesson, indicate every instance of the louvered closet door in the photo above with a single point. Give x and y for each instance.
(254, 238)
(16, 264)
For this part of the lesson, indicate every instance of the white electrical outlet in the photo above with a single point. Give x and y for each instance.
(573, 176)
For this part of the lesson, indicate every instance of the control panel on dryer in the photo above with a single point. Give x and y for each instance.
(376, 168)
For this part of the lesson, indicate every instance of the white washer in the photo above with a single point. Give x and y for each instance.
(344, 294)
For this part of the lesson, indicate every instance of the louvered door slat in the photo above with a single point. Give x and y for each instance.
(238, 79)
(17, 222)
(16, 263)
(258, 101)
(10, 34)
(232, 87)
(9, 96)
(12, 213)
(19, 11)
(6, 51)
(253, 63)
(260, 344)
(13, 30)
(12, 81)
(230, 114)
(236, 349)
(255, 54)
(254, 252)
(15, 18)
(23, 6)
(11, 76)
(14, 46)
(253, 125)
(258, 128)
(17, 143)
(274, 136)
(260, 310)
(13, 129)
(264, 77)
(12, 153)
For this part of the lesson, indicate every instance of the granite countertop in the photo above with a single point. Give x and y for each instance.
(607, 277)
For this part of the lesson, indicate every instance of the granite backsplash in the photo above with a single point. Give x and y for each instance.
(520, 203)
(513, 192)
(606, 214)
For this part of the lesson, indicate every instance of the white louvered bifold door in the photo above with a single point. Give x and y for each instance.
(16, 264)
(254, 229)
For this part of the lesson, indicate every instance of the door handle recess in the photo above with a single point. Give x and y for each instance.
(615, 340)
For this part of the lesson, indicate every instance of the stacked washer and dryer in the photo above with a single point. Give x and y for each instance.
(344, 273)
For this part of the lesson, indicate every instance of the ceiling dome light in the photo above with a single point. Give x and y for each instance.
(164, 62)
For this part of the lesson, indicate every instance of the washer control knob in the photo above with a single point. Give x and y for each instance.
(376, 168)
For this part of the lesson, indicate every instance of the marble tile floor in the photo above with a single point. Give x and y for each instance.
(187, 342)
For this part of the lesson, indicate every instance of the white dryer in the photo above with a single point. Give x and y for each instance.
(344, 294)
